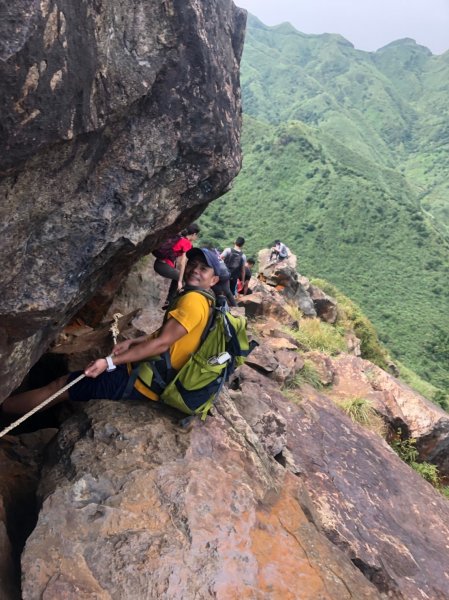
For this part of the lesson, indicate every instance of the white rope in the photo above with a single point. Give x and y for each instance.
(114, 329)
(39, 406)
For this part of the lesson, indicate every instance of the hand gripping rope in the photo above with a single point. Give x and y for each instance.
(114, 332)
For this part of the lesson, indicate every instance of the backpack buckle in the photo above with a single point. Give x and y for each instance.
(221, 359)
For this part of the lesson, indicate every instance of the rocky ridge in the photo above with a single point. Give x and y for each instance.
(278, 494)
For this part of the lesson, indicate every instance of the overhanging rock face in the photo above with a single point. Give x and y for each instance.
(120, 121)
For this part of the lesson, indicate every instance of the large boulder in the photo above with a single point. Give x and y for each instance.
(283, 277)
(120, 122)
(371, 504)
(136, 507)
(265, 302)
(325, 306)
(386, 517)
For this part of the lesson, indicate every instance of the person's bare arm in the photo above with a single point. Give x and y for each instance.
(182, 267)
(126, 344)
(170, 333)
(242, 275)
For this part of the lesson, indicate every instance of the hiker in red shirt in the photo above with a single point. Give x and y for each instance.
(171, 258)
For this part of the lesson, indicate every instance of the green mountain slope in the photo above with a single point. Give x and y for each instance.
(336, 147)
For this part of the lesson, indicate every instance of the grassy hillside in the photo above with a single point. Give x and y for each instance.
(339, 162)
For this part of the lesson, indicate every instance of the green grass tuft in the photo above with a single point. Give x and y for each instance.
(308, 374)
(315, 334)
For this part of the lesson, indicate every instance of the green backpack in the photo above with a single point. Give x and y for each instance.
(194, 388)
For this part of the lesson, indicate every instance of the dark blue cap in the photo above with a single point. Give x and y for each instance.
(208, 256)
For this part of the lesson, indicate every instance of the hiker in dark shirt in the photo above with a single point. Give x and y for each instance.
(222, 288)
(235, 261)
(171, 259)
(244, 288)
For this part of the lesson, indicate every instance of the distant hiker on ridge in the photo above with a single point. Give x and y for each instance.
(235, 261)
(279, 251)
(171, 258)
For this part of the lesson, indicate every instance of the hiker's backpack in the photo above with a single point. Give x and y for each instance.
(224, 274)
(234, 262)
(194, 388)
(165, 250)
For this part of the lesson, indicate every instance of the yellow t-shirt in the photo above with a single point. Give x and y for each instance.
(192, 312)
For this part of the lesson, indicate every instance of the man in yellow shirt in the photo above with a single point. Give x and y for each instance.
(109, 378)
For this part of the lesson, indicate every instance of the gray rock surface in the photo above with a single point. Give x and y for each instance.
(120, 122)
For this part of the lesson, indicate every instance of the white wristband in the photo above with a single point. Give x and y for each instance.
(111, 365)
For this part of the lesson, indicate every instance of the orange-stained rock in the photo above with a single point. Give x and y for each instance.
(393, 524)
(265, 303)
(291, 565)
(138, 509)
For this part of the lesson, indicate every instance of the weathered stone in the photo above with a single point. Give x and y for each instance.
(353, 343)
(282, 275)
(325, 306)
(279, 343)
(263, 258)
(392, 523)
(20, 463)
(145, 290)
(262, 359)
(270, 328)
(266, 303)
(290, 363)
(265, 422)
(120, 122)
(144, 510)
(323, 366)
(398, 404)
(371, 504)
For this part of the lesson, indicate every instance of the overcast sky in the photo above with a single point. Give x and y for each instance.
(368, 24)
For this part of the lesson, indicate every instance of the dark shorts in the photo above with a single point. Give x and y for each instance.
(107, 386)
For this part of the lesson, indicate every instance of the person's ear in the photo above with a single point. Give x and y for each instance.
(215, 280)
